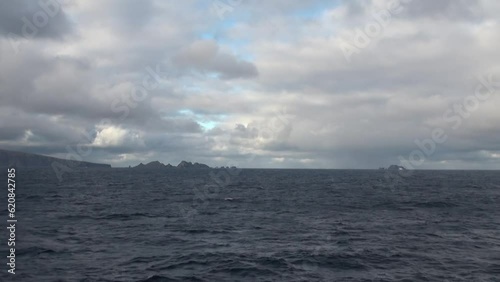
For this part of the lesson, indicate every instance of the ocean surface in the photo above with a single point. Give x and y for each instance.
(255, 225)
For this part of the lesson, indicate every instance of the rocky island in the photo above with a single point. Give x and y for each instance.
(393, 168)
(181, 165)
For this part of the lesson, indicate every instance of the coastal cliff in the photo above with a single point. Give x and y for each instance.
(28, 160)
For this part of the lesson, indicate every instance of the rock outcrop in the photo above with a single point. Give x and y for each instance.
(152, 165)
(159, 165)
(185, 164)
(396, 167)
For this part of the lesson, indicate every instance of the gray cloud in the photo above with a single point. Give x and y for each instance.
(33, 19)
(461, 10)
(205, 56)
(266, 86)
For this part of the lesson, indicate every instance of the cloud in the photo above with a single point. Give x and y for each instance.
(110, 136)
(268, 85)
(34, 19)
(205, 56)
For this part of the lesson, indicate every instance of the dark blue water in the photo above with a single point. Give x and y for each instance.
(256, 225)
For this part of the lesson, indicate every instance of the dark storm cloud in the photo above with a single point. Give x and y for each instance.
(41, 85)
(33, 19)
(11, 132)
(41, 127)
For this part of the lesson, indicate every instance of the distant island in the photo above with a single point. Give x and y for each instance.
(182, 164)
(28, 160)
(393, 168)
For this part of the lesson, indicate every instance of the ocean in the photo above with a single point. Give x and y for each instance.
(254, 225)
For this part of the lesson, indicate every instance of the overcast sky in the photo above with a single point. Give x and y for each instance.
(308, 84)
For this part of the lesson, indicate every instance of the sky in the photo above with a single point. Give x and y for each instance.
(256, 84)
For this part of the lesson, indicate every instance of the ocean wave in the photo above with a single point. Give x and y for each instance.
(435, 204)
(34, 251)
(160, 278)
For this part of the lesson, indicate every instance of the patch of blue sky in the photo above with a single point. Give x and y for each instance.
(208, 122)
(218, 30)
(237, 46)
(208, 125)
(315, 10)
(207, 36)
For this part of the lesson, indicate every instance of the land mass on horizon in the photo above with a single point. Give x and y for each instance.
(393, 168)
(29, 160)
(182, 164)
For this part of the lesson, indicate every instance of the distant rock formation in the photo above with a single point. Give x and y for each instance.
(396, 168)
(151, 165)
(226, 167)
(159, 165)
(27, 160)
(185, 164)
